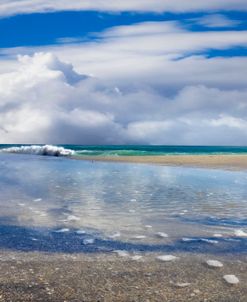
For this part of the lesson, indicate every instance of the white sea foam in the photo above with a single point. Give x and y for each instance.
(40, 150)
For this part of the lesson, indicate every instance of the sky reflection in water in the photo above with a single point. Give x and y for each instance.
(116, 204)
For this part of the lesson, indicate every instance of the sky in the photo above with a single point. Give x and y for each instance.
(123, 72)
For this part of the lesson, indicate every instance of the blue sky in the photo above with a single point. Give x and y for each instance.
(47, 28)
(114, 72)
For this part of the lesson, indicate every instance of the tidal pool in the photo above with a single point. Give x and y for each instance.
(46, 201)
(73, 230)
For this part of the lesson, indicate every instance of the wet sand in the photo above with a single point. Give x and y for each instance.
(232, 162)
(107, 277)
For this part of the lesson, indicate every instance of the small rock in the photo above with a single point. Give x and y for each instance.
(88, 241)
(80, 232)
(161, 235)
(214, 263)
(231, 279)
(139, 237)
(62, 230)
(178, 284)
(240, 233)
(73, 218)
(167, 258)
(37, 199)
(115, 235)
(136, 257)
(121, 253)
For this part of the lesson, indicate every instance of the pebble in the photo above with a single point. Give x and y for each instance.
(240, 233)
(209, 241)
(178, 284)
(62, 230)
(37, 199)
(139, 237)
(231, 279)
(73, 218)
(121, 253)
(88, 241)
(132, 211)
(214, 263)
(185, 239)
(161, 235)
(80, 232)
(166, 258)
(136, 257)
(115, 235)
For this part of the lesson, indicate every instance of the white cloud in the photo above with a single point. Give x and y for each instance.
(150, 51)
(217, 20)
(40, 104)
(10, 7)
(146, 88)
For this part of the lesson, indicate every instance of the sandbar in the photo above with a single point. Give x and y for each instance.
(231, 162)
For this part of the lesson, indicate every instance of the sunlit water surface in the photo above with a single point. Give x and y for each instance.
(60, 204)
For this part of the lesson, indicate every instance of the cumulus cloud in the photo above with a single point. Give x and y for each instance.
(149, 83)
(157, 52)
(11, 7)
(46, 101)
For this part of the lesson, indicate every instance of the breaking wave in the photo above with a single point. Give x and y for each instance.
(47, 150)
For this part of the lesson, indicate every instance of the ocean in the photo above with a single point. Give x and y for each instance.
(122, 150)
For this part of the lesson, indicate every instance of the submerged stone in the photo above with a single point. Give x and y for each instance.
(214, 263)
(231, 279)
(166, 258)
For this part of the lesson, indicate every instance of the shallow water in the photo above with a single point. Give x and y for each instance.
(64, 205)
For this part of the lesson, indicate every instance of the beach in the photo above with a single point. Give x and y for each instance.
(234, 162)
(110, 229)
(109, 278)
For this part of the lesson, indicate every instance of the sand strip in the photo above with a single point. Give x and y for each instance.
(232, 162)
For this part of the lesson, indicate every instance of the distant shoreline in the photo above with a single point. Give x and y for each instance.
(229, 162)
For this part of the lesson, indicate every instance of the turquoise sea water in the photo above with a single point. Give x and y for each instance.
(133, 150)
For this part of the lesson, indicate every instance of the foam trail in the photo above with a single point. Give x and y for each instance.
(47, 150)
